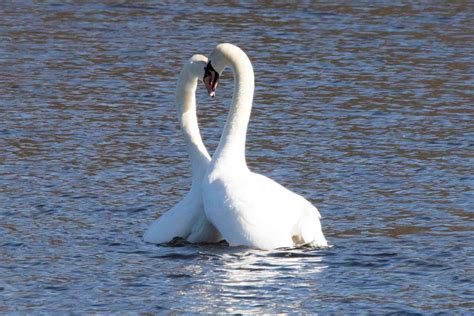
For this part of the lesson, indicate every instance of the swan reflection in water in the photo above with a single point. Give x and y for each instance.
(242, 280)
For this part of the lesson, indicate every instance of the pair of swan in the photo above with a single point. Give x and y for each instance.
(227, 200)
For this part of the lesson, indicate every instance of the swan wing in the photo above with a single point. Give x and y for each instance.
(289, 211)
(256, 211)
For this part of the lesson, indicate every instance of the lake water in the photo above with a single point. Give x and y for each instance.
(365, 108)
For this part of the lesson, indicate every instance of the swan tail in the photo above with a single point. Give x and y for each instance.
(177, 222)
(186, 220)
(164, 229)
(309, 231)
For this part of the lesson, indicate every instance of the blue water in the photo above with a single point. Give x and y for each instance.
(364, 108)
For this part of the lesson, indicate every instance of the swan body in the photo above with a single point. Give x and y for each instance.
(247, 208)
(187, 218)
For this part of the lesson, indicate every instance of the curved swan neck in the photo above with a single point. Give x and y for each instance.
(186, 108)
(232, 143)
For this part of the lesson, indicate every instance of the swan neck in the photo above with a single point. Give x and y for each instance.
(186, 109)
(232, 144)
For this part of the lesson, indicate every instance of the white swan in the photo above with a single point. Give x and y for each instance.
(187, 218)
(250, 209)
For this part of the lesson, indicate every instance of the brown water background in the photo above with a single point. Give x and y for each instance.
(364, 107)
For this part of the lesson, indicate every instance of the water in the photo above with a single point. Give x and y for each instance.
(365, 108)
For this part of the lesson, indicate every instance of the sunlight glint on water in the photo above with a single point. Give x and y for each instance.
(363, 108)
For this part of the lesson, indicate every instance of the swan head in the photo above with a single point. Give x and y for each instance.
(191, 73)
(217, 62)
(223, 55)
(197, 64)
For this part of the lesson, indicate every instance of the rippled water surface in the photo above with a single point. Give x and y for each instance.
(365, 108)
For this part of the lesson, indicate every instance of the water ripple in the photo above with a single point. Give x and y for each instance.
(364, 108)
